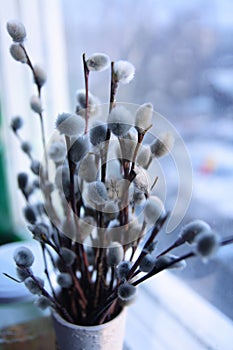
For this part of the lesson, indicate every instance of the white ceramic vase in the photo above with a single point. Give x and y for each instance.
(108, 336)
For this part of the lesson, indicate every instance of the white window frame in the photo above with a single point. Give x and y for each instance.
(169, 315)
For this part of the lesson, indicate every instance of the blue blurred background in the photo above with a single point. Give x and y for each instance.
(183, 54)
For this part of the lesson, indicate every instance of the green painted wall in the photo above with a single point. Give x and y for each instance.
(7, 232)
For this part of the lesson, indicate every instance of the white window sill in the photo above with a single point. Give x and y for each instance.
(168, 315)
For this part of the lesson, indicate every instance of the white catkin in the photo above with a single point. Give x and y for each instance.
(143, 117)
(42, 302)
(147, 263)
(16, 123)
(79, 148)
(87, 169)
(30, 214)
(93, 104)
(98, 62)
(23, 257)
(68, 256)
(162, 145)
(180, 265)
(124, 71)
(36, 105)
(18, 53)
(144, 155)
(16, 30)
(153, 210)
(115, 254)
(126, 149)
(35, 287)
(113, 170)
(40, 75)
(69, 227)
(126, 293)
(98, 133)
(120, 120)
(70, 124)
(86, 226)
(64, 280)
(138, 197)
(192, 229)
(57, 151)
(207, 244)
(35, 167)
(22, 273)
(123, 269)
(41, 232)
(96, 193)
(134, 231)
(111, 210)
(163, 262)
(26, 147)
(22, 180)
(142, 180)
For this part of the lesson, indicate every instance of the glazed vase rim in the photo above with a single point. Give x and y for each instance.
(62, 321)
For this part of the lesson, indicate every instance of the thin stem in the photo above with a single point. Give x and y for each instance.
(21, 141)
(140, 139)
(72, 167)
(112, 278)
(154, 183)
(226, 241)
(104, 307)
(155, 271)
(81, 251)
(56, 239)
(73, 275)
(44, 145)
(29, 63)
(11, 277)
(100, 259)
(136, 273)
(62, 310)
(108, 312)
(105, 156)
(174, 245)
(134, 248)
(43, 248)
(86, 79)
(48, 201)
(114, 86)
(150, 239)
(113, 91)
(18, 136)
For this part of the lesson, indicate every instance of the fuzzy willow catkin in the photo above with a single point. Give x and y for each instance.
(23, 257)
(16, 30)
(98, 62)
(18, 53)
(120, 121)
(192, 229)
(34, 285)
(124, 71)
(70, 124)
(16, 123)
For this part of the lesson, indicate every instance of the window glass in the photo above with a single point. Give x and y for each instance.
(183, 54)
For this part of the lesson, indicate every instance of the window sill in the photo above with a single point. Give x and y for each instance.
(168, 315)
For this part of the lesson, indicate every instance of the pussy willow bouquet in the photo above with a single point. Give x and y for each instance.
(99, 217)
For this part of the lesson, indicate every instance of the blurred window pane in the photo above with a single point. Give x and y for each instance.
(183, 54)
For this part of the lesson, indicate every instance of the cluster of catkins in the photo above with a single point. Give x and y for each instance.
(99, 218)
